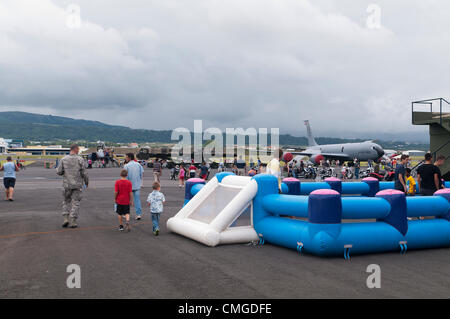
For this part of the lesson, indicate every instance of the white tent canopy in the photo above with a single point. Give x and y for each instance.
(3, 146)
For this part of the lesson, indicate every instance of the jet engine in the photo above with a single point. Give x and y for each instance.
(316, 159)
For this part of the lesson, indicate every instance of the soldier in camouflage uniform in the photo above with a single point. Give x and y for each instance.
(75, 177)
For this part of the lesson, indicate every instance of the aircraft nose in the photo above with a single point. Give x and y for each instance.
(379, 150)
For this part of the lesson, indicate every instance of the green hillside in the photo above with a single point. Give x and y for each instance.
(38, 127)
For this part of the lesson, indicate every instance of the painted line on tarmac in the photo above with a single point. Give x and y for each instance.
(64, 231)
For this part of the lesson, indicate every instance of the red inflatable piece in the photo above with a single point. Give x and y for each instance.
(288, 157)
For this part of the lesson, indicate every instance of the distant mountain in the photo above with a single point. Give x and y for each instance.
(38, 127)
(31, 118)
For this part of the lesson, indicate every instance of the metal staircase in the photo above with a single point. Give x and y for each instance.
(436, 114)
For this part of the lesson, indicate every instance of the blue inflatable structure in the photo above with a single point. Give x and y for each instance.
(308, 217)
(322, 231)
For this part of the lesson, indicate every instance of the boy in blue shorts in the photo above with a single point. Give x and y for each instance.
(155, 201)
(9, 179)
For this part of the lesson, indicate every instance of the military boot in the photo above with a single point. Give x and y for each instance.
(66, 222)
(73, 223)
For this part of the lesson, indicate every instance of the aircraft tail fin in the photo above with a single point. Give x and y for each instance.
(311, 140)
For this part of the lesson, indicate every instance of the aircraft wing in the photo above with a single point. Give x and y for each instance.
(312, 153)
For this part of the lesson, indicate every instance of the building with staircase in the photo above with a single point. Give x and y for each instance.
(436, 114)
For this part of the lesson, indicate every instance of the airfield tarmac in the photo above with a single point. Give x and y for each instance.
(35, 252)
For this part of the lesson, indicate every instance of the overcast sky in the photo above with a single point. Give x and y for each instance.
(160, 64)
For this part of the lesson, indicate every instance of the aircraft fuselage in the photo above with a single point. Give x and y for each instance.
(348, 151)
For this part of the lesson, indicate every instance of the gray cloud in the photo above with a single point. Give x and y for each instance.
(261, 63)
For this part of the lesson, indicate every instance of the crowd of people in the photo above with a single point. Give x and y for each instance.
(346, 170)
(429, 176)
(184, 171)
(127, 188)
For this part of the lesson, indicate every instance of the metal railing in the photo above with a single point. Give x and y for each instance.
(437, 105)
(434, 153)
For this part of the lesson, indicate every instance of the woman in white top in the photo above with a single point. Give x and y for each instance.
(273, 167)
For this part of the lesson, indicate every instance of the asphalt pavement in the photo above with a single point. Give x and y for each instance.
(35, 253)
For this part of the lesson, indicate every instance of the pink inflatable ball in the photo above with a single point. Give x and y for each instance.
(325, 192)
